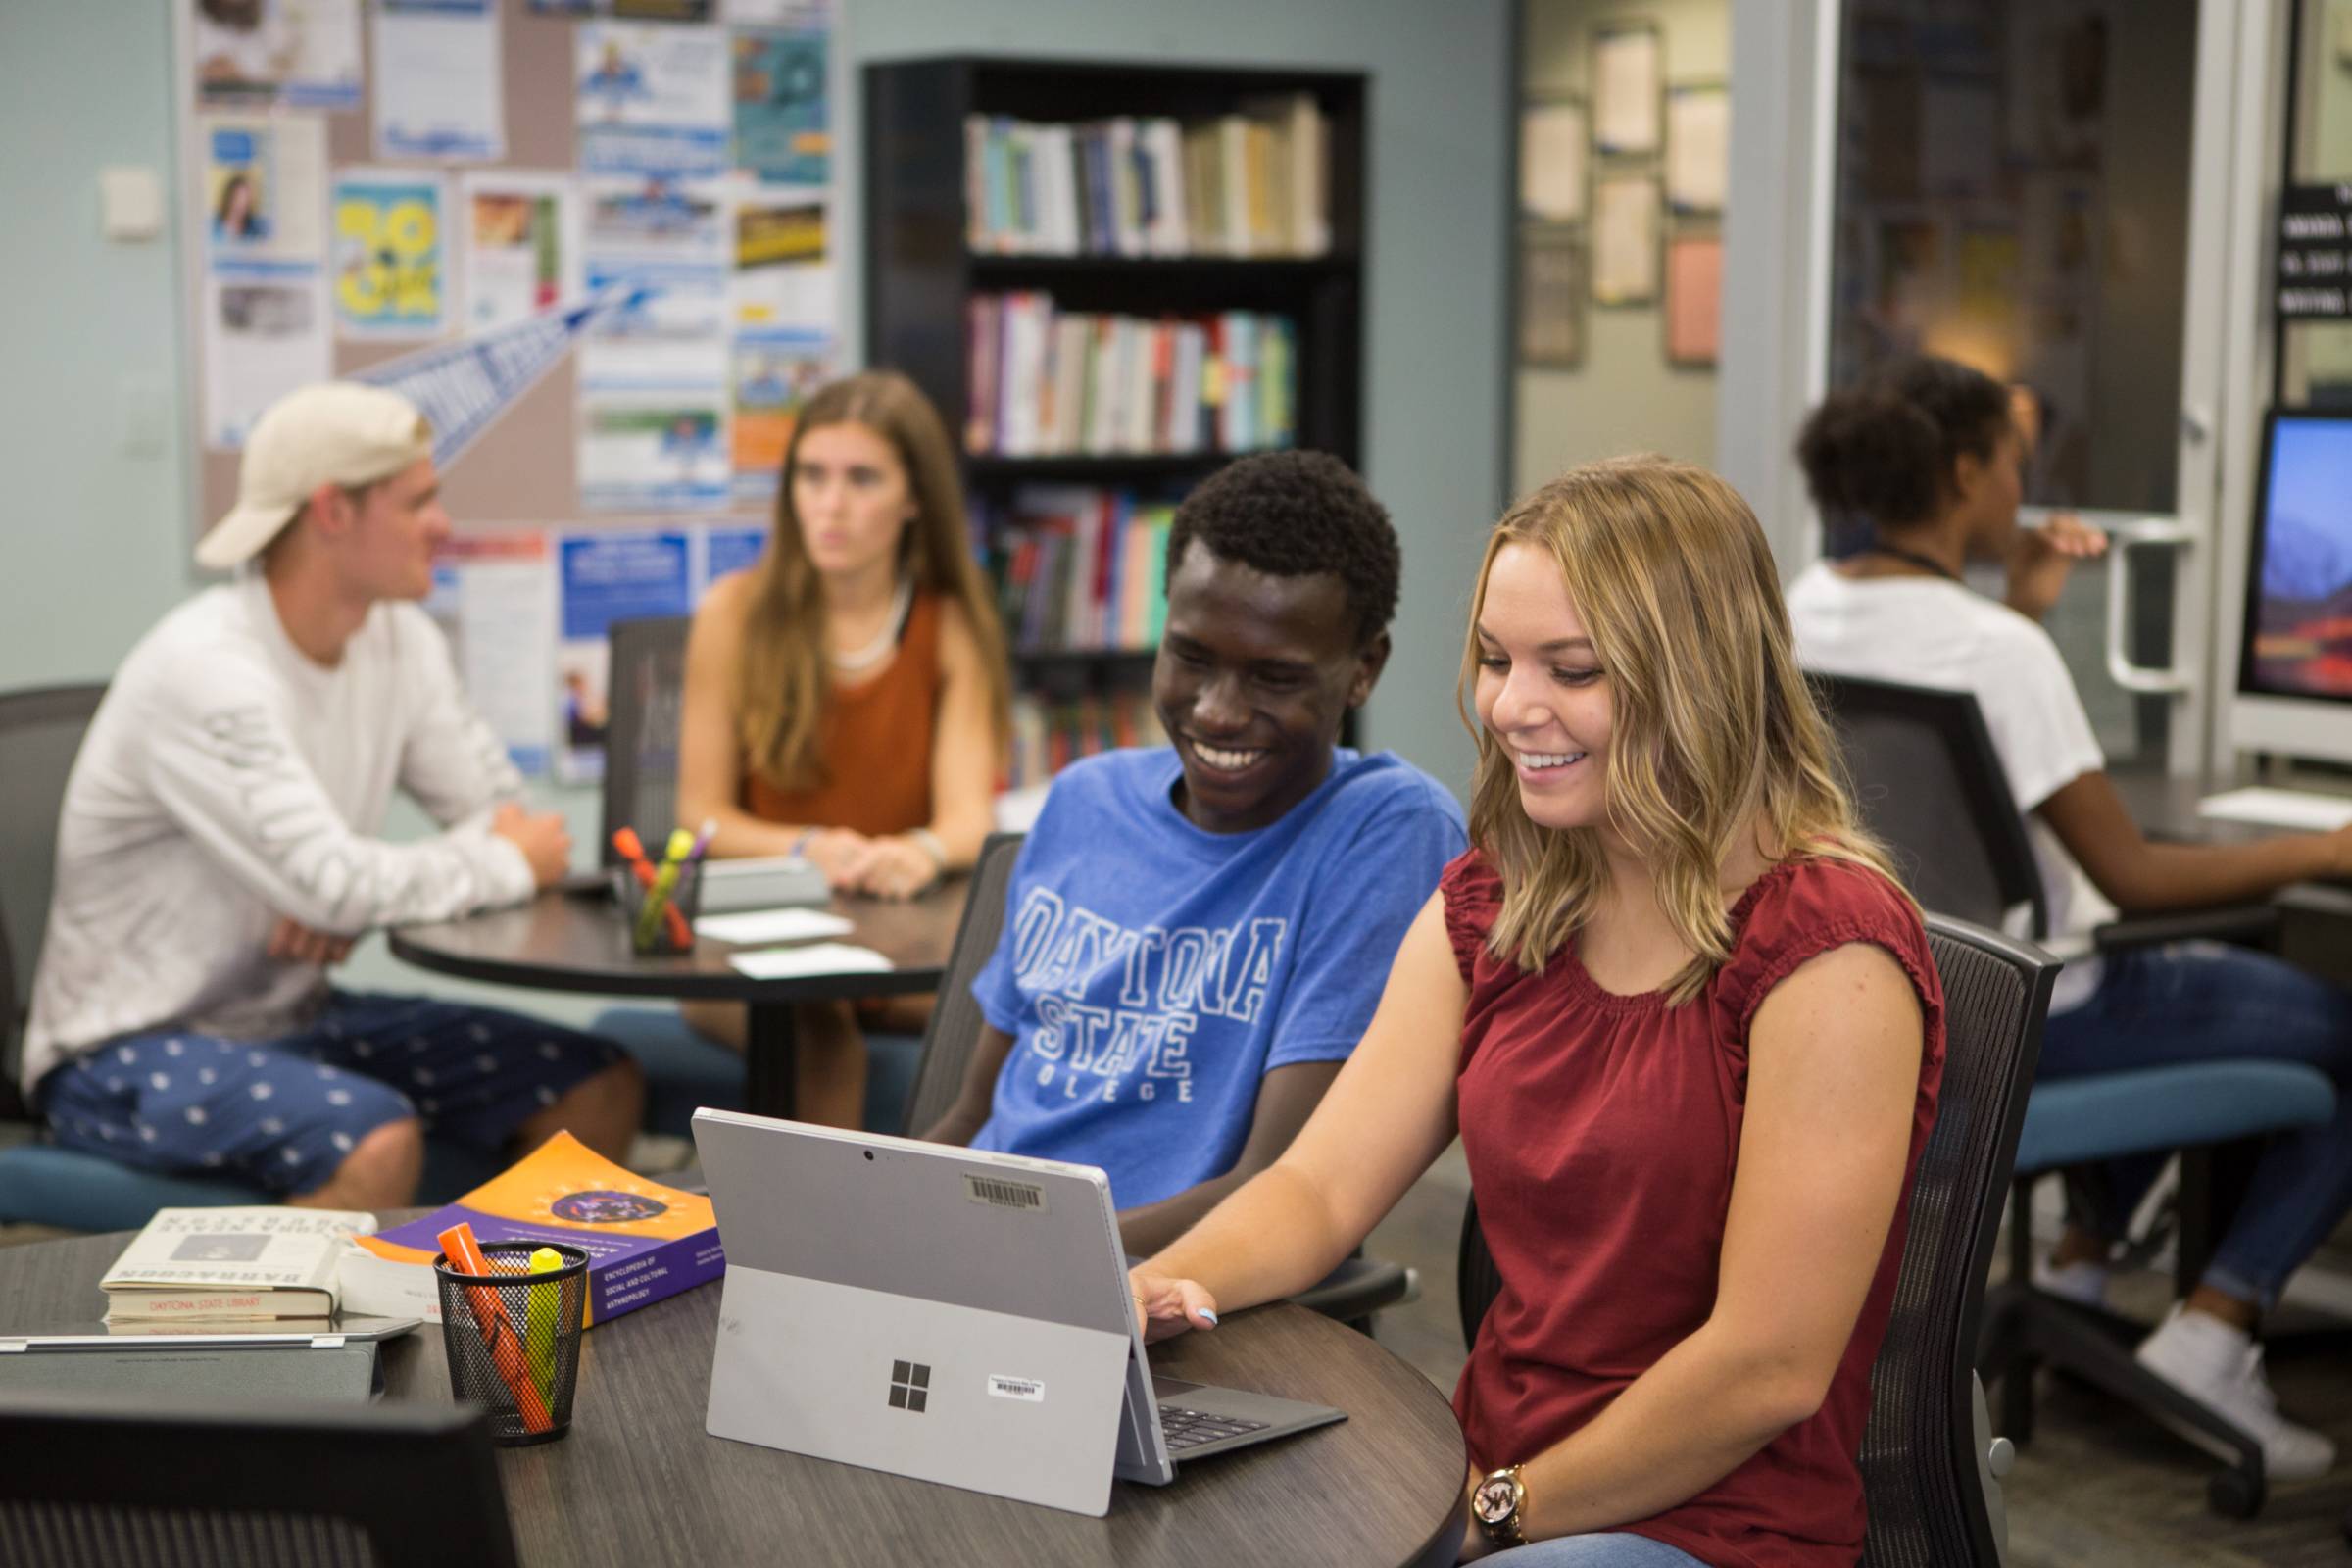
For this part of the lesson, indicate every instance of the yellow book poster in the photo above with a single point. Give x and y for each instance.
(390, 272)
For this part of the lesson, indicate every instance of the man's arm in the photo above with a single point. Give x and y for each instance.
(964, 1119)
(452, 761)
(1286, 1097)
(231, 774)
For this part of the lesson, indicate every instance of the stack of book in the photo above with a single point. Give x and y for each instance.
(1052, 384)
(1049, 735)
(1078, 568)
(1244, 184)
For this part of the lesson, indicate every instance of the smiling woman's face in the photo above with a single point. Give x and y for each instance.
(1254, 673)
(1541, 690)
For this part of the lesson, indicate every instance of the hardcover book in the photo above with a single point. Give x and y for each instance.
(231, 1263)
(644, 1240)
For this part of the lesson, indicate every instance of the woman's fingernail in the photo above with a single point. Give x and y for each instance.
(1212, 1317)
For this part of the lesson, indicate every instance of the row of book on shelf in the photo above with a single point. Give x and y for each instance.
(1253, 184)
(1078, 568)
(1049, 734)
(1046, 382)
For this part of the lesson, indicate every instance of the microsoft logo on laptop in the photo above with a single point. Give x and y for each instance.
(908, 1382)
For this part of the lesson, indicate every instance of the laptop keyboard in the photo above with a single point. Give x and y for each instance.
(1188, 1429)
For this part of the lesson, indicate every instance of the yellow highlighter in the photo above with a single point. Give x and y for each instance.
(539, 1321)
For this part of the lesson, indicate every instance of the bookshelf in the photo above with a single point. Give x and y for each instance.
(922, 275)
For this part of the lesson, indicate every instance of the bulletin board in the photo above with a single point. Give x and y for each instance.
(594, 240)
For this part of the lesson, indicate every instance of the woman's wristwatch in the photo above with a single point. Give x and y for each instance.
(1500, 1505)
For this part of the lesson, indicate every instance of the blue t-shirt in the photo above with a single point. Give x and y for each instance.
(1151, 973)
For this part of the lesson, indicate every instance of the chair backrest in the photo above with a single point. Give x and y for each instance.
(644, 692)
(116, 1481)
(1930, 1502)
(40, 733)
(1929, 783)
(955, 1019)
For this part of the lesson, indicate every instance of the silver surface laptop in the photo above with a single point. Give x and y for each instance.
(947, 1314)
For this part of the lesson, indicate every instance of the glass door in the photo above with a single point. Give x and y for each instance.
(2039, 188)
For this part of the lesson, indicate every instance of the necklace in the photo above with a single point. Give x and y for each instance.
(873, 653)
(1880, 547)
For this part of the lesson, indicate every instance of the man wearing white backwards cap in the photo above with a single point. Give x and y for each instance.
(218, 853)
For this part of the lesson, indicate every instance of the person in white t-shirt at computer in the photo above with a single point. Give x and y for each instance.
(1930, 454)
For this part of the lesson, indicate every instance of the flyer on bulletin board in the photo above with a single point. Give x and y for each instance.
(494, 596)
(651, 99)
(439, 82)
(604, 578)
(727, 548)
(389, 277)
(783, 111)
(265, 186)
(774, 374)
(518, 246)
(304, 54)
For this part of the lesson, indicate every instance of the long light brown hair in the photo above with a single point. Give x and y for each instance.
(784, 676)
(1713, 725)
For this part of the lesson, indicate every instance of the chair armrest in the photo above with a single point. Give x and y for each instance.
(1360, 1287)
(2250, 924)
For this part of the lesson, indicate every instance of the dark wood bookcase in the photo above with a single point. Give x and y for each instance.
(919, 271)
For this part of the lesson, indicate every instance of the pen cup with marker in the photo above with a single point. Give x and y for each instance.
(661, 917)
(514, 1338)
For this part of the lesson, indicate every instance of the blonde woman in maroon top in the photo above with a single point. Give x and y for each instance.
(1689, 1031)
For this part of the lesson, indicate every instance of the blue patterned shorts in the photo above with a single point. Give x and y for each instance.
(283, 1113)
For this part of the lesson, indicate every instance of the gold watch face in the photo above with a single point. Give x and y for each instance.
(1496, 1497)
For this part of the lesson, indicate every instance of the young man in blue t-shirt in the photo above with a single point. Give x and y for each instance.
(1197, 935)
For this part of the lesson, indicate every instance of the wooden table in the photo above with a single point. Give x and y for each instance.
(578, 942)
(637, 1481)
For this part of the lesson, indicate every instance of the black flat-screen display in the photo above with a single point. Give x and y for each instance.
(2299, 591)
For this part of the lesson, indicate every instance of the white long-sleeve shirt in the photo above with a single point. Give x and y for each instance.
(228, 780)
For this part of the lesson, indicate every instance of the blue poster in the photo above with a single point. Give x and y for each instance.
(782, 120)
(730, 549)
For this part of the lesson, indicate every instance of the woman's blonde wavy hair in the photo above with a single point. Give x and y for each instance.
(1713, 724)
(785, 679)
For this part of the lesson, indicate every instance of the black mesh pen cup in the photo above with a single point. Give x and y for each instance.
(515, 1341)
(661, 917)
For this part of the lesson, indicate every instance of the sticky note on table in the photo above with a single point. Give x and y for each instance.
(816, 959)
(755, 926)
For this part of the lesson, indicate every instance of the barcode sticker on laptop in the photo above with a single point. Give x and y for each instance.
(1004, 1387)
(1002, 1193)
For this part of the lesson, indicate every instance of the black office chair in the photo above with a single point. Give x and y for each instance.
(96, 1482)
(644, 687)
(1929, 783)
(1350, 1293)
(1930, 1468)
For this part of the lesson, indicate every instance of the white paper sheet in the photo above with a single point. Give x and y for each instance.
(668, 244)
(756, 926)
(1551, 161)
(1625, 240)
(2301, 811)
(817, 959)
(1627, 82)
(265, 331)
(1699, 130)
(439, 88)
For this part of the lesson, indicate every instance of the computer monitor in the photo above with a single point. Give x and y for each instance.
(2295, 664)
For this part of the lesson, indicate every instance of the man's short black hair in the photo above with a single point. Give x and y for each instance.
(1293, 515)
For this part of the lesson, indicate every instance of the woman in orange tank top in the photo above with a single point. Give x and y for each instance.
(847, 695)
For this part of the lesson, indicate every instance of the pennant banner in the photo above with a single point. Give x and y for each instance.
(464, 387)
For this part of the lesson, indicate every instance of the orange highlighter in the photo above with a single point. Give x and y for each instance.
(464, 1255)
(632, 850)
